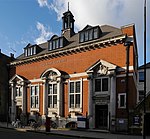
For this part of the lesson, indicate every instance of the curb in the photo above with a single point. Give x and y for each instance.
(65, 135)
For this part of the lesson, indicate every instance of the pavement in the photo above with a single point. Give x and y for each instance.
(88, 133)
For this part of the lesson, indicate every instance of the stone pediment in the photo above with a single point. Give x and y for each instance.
(102, 67)
(16, 78)
(51, 74)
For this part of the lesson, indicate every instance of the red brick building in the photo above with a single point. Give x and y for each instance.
(77, 74)
(4, 85)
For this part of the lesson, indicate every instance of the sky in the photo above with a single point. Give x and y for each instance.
(36, 21)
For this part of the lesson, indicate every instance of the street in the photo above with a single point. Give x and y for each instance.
(14, 134)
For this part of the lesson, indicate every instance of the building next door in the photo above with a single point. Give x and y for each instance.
(101, 116)
(147, 124)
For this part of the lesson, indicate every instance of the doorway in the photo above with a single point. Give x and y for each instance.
(101, 117)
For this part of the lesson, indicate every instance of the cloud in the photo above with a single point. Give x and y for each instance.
(99, 12)
(42, 3)
(45, 33)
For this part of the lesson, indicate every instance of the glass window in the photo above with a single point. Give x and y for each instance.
(75, 94)
(18, 91)
(34, 50)
(82, 37)
(77, 101)
(78, 87)
(90, 34)
(97, 85)
(86, 36)
(31, 51)
(50, 46)
(57, 43)
(72, 87)
(54, 44)
(101, 85)
(141, 76)
(54, 88)
(52, 96)
(61, 42)
(50, 102)
(95, 33)
(105, 84)
(122, 100)
(26, 52)
(50, 89)
(34, 96)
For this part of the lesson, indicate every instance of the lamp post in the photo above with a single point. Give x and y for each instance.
(144, 105)
(127, 44)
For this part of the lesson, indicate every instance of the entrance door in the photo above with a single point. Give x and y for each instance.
(18, 112)
(101, 116)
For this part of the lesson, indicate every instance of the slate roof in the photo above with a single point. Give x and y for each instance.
(108, 32)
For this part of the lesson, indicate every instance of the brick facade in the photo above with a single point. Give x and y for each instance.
(76, 68)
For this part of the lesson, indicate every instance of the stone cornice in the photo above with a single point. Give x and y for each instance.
(77, 49)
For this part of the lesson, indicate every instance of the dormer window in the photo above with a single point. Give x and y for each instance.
(30, 50)
(57, 42)
(89, 33)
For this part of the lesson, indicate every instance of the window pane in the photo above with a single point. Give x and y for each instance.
(36, 90)
(49, 101)
(50, 45)
(91, 34)
(54, 88)
(141, 76)
(82, 37)
(98, 85)
(86, 36)
(32, 102)
(95, 33)
(55, 101)
(31, 51)
(61, 42)
(34, 50)
(20, 92)
(50, 89)
(72, 87)
(77, 100)
(105, 84)
(122, 100)
(77, 87)
(57, 43)
(36, 101)
(54, 44)
(32, 91)
(26, 52)
(71, 101)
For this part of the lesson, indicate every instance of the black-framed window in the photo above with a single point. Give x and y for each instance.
(30, 51)
(75, 94)
(56, 43)
(101, 84)
(89, 34)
